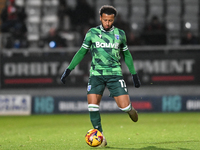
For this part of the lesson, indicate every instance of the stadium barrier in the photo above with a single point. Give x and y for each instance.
(165, 103)
(160, 65)
(27, 104)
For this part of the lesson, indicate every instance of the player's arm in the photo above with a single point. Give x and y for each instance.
(75, 61)
(129, 62)
(128, 59)
(77, 57)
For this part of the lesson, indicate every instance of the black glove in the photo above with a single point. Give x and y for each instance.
(64, 75)
(136, 80)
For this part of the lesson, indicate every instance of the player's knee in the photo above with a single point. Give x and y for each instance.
(127, 109)
(93, 107)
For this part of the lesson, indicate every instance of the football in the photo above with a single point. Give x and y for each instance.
(94, 137)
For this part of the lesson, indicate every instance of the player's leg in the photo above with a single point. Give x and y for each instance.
(93, 108)
(118, 90)
(95, 90)
(123, 102)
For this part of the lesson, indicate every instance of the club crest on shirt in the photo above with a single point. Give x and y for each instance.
(100, 35)
(117, 36)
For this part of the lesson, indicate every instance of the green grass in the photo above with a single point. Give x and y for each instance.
(167, 131)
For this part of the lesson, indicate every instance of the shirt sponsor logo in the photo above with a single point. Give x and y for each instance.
(107, 45)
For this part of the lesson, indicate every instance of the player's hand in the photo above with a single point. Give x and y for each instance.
(136, 80)
(64, 75)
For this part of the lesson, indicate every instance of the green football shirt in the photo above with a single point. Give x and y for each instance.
(105, 47)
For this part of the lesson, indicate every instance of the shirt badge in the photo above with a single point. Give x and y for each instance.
(100, 35)
(117, 36)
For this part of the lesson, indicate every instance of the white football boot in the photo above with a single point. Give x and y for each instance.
(104, 143)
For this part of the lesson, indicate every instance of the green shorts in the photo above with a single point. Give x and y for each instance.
(115, 84)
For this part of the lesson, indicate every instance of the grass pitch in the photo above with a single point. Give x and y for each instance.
(162, 131)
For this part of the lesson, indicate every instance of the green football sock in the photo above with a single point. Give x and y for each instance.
(96, 120)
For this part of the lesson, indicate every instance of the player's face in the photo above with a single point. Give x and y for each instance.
(107, 20)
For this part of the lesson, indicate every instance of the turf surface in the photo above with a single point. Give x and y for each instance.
(153, 131)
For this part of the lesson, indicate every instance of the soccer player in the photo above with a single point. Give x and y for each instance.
(105, 43)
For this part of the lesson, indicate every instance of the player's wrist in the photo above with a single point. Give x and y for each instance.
(64, 75)
(136, 80)
(67, 71)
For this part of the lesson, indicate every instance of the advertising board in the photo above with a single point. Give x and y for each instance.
(15, 104)
(165, 103)
(157, 68)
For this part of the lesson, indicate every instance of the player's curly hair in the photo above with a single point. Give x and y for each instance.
(108, 9)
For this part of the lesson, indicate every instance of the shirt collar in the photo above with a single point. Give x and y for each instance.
(111, 29)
